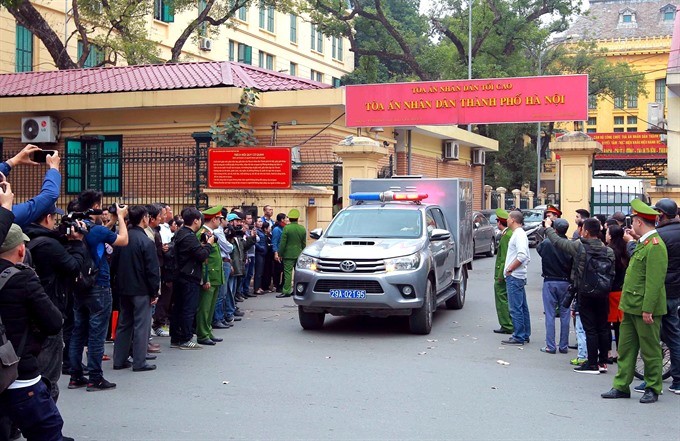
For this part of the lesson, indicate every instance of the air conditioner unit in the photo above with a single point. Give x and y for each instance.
(295, 158)
(478, 157)
(451, 150)
(655, 119)
(205, 44)
(38, 129)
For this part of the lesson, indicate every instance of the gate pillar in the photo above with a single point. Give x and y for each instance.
(487, 196)
(576, 151)
(360, 157)
(501, 197)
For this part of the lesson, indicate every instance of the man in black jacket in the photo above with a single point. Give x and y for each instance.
(556, 266)
(29, 316)
(136, 277)
(57, 263)
(190, 255)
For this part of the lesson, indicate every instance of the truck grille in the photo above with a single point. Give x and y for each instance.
(370, 286)
(365, 266)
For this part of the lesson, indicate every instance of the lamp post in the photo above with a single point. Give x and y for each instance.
(541, 51)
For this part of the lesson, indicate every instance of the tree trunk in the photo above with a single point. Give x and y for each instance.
(31, 19)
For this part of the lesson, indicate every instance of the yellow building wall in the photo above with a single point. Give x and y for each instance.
(247, 32)
(648, 56)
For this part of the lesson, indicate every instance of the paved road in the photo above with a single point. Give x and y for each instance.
(366, 379)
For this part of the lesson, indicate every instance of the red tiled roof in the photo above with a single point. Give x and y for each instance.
(150, 77)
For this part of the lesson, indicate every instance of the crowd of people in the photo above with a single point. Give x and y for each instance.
(70, 280)
(617, 275)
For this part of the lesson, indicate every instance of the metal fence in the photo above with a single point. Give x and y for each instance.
(129, 175)
(608, 199)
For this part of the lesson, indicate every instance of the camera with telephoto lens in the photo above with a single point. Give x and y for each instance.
(234, 231)
(113, 209)
(69, 222)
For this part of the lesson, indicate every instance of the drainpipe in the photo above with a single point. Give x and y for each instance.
(408, 152)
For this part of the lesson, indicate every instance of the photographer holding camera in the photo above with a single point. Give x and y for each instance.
(58, 259)
(92, 308)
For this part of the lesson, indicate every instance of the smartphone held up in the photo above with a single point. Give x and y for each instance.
(40, 156)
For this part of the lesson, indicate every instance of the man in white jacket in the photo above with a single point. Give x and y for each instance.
(515, 273)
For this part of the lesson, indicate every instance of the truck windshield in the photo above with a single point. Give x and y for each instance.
(378, 223)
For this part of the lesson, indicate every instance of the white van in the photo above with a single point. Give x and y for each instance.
(613, 191)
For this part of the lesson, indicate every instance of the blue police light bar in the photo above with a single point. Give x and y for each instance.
(366, 196)
(387, 196)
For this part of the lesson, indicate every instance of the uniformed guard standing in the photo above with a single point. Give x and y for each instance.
(212, 278)
(500, 291)
(293, 241)
(643, 302)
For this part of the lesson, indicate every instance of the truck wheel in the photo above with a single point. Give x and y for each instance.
(310, 320)
(458, 300)
(492, 250)
(420, 321)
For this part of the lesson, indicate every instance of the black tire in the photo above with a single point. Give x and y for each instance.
(458, 300)
(665, 364)
(420, 320)
(311, 320)
(492, 251)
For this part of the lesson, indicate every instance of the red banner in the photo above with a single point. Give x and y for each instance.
(633, 143)
(488, 101)
(249, 168)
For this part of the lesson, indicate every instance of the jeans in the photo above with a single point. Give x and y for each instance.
(554, 293)
(185, 296)
(223, 307)
(594, 313)
(670, 334)
(33, 410)
(91, 320)
(581, 338)
(247, 277)
(519, 309)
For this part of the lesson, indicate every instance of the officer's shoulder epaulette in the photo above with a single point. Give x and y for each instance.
(655, 241)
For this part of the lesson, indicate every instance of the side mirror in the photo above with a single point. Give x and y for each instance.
(316, 233)
(439, 234)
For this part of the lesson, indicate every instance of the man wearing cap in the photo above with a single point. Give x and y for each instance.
(212, 278)
(669, 231)
(29, 317)
(643, 302)
(293, 241)
(58, 259)
(499, 288)
(556, 272)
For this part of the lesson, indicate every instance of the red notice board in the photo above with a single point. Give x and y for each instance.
(249, 168)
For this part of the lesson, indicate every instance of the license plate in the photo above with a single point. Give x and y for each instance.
(348, 293)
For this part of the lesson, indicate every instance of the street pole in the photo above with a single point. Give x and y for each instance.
(538, 141)
(470, 48)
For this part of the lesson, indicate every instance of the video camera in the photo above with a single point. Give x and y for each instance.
(113, 208)
(234, 231)
(69, 222)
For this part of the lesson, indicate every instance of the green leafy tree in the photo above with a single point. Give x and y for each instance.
(118, 29)
(236, 129)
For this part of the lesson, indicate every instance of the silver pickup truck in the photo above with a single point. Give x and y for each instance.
(390, 253)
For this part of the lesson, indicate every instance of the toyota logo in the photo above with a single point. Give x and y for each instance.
(348, 266)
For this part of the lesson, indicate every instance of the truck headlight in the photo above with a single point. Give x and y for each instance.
(306, 262)
(403, 263)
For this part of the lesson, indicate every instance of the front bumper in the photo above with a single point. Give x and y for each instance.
(384, 295)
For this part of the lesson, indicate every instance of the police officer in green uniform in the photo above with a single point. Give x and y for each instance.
(500, 291)
(293, 241)
(212, 278)
(643, 302)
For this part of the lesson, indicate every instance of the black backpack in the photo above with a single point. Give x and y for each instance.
(598, 273)
(9, 360)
